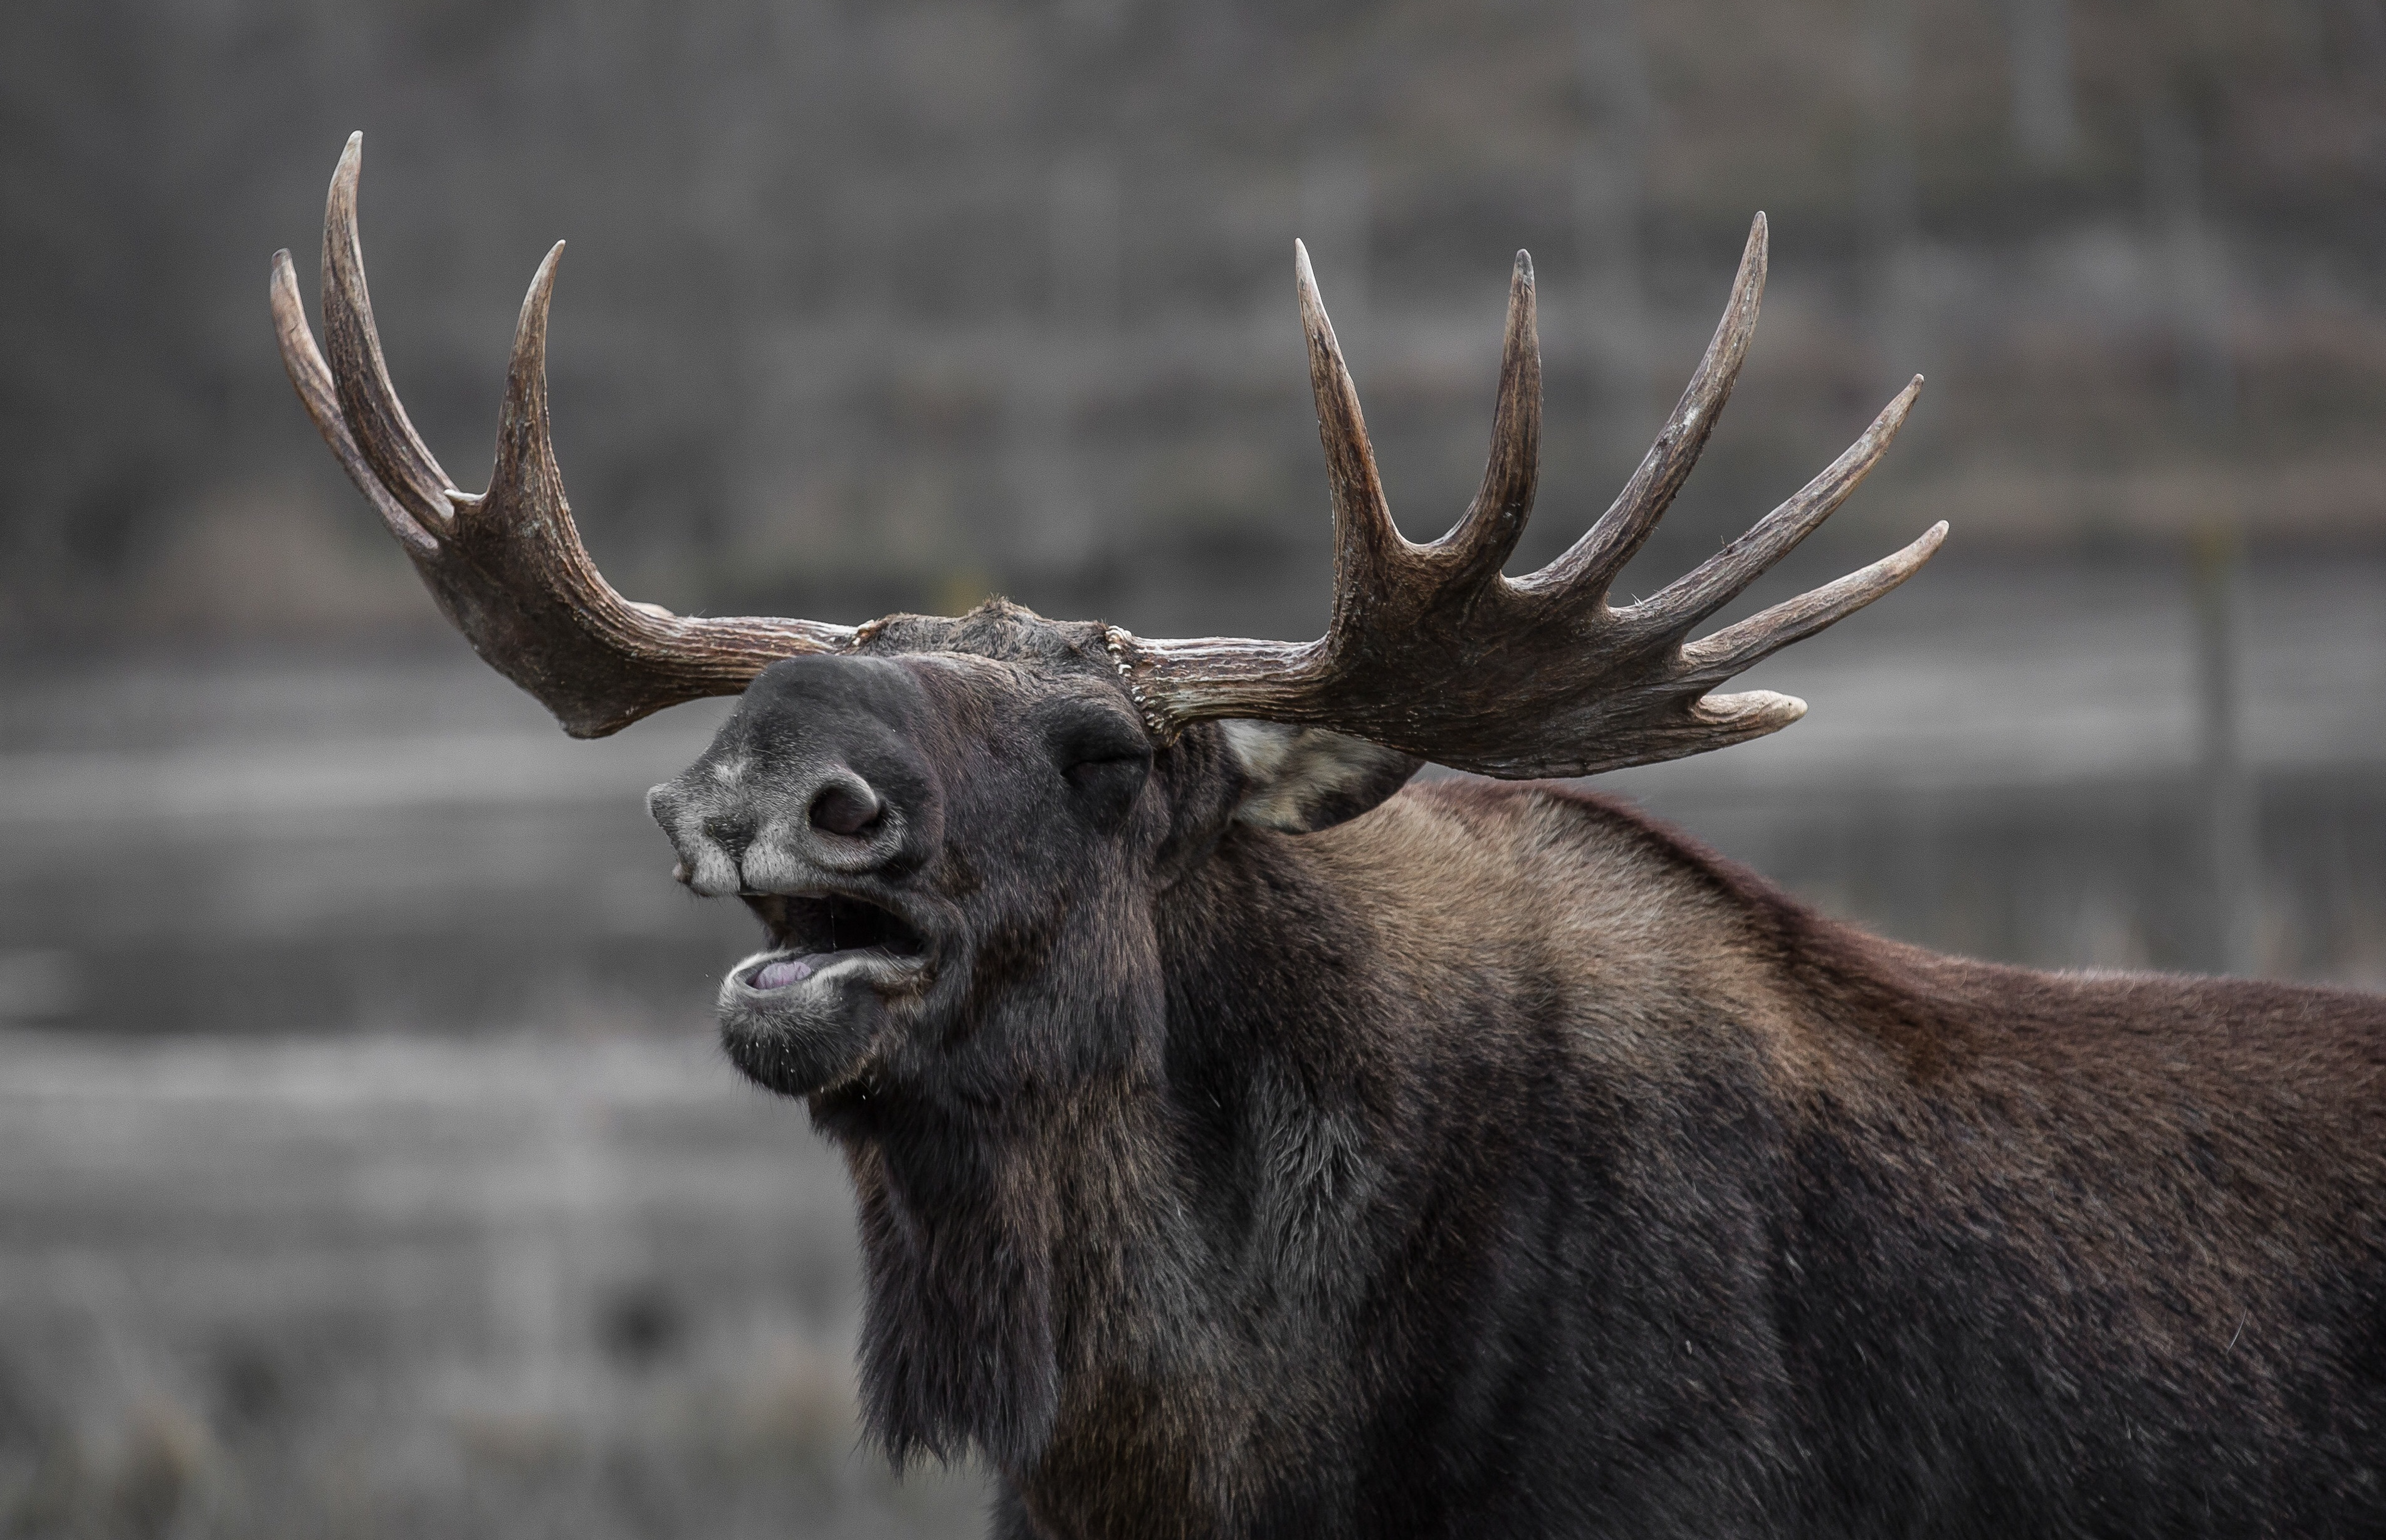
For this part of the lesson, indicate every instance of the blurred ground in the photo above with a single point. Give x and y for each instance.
(547, 1285)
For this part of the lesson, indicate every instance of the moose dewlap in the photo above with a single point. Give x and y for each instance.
(1248, 1142)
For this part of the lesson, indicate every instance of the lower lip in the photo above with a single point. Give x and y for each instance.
(784, 975)
(778, 974)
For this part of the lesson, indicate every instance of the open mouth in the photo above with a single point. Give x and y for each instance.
(813, 932)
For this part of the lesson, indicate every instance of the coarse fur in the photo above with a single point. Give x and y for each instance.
(1496, 1161)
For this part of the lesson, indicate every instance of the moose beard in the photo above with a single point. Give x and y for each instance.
(1010, 1234)
(957, 1337)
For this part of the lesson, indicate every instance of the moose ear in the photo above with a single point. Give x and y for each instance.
(1303, 779)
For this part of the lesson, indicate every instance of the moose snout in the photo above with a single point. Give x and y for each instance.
(818, 778)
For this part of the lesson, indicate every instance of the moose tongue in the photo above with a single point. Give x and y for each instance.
(786, 971)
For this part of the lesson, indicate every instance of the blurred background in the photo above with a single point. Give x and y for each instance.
(365, 1164)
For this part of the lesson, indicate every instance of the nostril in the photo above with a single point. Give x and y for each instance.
(844, 809)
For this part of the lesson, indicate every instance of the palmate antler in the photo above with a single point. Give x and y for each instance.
(1430, 650)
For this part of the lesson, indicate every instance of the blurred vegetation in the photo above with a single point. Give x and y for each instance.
(590, 1289)
(871, 305)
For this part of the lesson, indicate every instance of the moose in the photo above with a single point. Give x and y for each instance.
(1249, 1141)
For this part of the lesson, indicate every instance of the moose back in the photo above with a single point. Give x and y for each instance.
(1248, 1141)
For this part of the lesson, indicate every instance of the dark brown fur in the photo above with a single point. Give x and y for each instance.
(1889, 1243)
(1497, 1162)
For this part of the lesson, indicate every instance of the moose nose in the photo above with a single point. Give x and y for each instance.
(830, 819)
(847, 826)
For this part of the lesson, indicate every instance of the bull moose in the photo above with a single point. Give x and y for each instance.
(1246, 1141)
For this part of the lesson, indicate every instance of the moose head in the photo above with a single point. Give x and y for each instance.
(955, 832)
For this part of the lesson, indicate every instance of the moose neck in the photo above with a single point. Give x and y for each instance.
(1120, 1287)
(1030, 1256)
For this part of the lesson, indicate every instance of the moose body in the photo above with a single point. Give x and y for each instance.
(1246, 1141)
(1513, 1167)
(1498, 1162)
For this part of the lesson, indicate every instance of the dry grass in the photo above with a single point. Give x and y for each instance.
(383, 1288)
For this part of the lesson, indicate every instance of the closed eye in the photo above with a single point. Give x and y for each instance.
(1087, 773)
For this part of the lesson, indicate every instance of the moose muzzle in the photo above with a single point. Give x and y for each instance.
(814, 806)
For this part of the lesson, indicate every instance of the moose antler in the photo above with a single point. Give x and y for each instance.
(1432, 651)
(506, 566)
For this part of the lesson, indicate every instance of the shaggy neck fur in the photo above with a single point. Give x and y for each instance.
(1497, 1163)
(1160, 1275)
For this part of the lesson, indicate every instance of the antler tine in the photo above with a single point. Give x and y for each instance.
(1367, 545)
(1724, 576)
(1698, 726)
(1588, 567)
(549, 567)
(312, 379)
(526, 482)
(389, 443)
(1487, 533)
(1736, 648)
